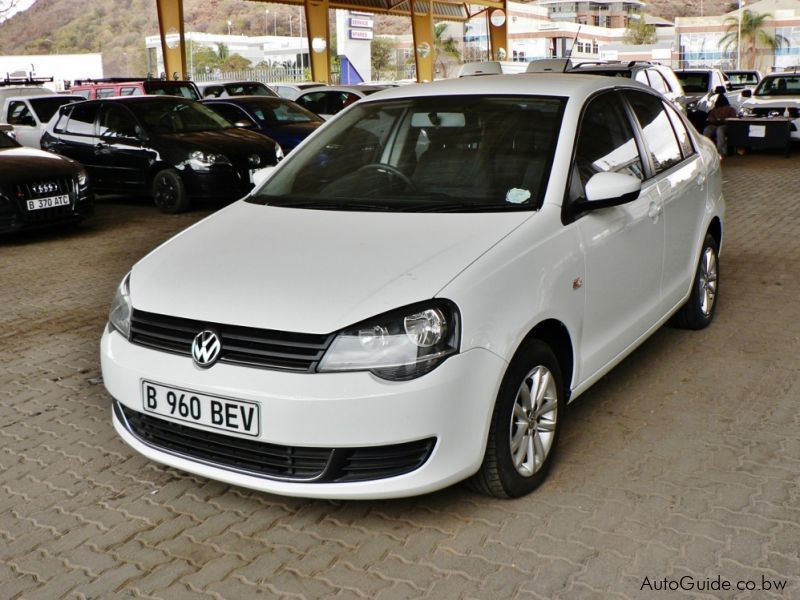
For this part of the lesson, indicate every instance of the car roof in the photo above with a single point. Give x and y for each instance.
(142, 98)
(345, 88)
(246, 99)
(568, 84)
(46, 96)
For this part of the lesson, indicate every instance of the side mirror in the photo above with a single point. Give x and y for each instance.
(608, 189)
(747, 93)
(262, 175)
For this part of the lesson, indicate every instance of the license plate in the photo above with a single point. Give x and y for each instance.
(227, 414)
(51, 202)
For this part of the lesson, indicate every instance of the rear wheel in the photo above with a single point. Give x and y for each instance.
(169, 193)
(525, 424)
(698, 312)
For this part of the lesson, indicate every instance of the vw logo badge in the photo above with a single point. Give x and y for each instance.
(205, 348)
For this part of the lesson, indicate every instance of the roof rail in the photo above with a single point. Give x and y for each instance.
(24, 80)
(594, 63)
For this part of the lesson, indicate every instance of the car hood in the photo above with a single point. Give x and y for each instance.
(27, 164)
(288, 136)
(777, 101)
(311, 271)
(226, 141)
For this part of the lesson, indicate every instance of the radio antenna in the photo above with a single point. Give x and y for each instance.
(574, 41)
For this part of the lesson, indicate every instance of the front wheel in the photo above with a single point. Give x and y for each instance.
(698, 312)
(525, 424)
(169, 193)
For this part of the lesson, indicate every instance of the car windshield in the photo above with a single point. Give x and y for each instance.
(692, 82)
(177, 117)
(742, 79)
(47, 107)
(253, 88)
(273, 113)
(170, 88)
(430, 154)
(779, 85)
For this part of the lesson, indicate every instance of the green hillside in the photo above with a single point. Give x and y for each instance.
(117, 28)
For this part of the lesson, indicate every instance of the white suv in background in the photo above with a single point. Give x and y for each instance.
(414, 294)
(777, 95)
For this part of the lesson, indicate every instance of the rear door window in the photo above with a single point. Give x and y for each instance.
(106, 92)
(81, 119)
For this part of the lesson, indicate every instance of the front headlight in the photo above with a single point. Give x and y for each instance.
(746, 111)
(82, 178)
(399, 345)
(207, 159)
(119, 317)
(279, 155)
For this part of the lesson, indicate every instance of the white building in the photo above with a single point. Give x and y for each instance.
(61, 67)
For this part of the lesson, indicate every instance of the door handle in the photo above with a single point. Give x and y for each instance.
(701, 179)
(655, 210)
(101, 148)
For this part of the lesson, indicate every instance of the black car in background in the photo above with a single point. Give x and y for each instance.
(284, 121)
(38, 189)
(173, 148)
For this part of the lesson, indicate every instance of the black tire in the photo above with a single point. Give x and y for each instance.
(500, 474)
(698, 312)
(169, 192)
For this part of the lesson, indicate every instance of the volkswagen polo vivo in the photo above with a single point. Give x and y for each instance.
(412, 297)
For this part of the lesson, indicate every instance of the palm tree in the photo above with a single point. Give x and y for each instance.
(754, 34)
(446, 49)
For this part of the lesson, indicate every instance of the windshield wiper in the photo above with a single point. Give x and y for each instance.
(328, 204)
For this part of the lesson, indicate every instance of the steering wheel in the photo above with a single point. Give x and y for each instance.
(392, 171)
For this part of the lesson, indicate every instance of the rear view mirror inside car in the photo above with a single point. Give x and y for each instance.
(438, 119)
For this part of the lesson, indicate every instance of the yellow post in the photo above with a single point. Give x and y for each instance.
(318, 39)
(170, 25)
(498, 32)
(422, 28)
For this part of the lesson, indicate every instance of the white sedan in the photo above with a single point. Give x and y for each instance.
(413, 296)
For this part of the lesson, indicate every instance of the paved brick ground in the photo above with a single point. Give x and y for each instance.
(685, 461)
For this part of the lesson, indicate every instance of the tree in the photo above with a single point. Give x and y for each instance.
(640, 33)
(383, 56)
(446, 50)
(754, 34)
(207, 59)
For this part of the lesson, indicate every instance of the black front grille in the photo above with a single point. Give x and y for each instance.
(240, 345)
(320, 465)
(776, 111)
(63, 186)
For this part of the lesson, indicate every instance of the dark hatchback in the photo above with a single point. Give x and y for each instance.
(173, 148)
(39, 189)
(284, 121)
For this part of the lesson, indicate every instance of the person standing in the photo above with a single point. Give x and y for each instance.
(716, 128)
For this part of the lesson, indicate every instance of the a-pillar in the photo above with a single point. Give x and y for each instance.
(318, 36)
(173, 48)
(498, 31)
(422, 28)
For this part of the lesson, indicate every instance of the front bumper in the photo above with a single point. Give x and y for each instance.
(452, 404)
(223, 182)
(15, 217)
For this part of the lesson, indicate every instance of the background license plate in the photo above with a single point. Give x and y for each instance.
(51, 202)
(239, 416)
